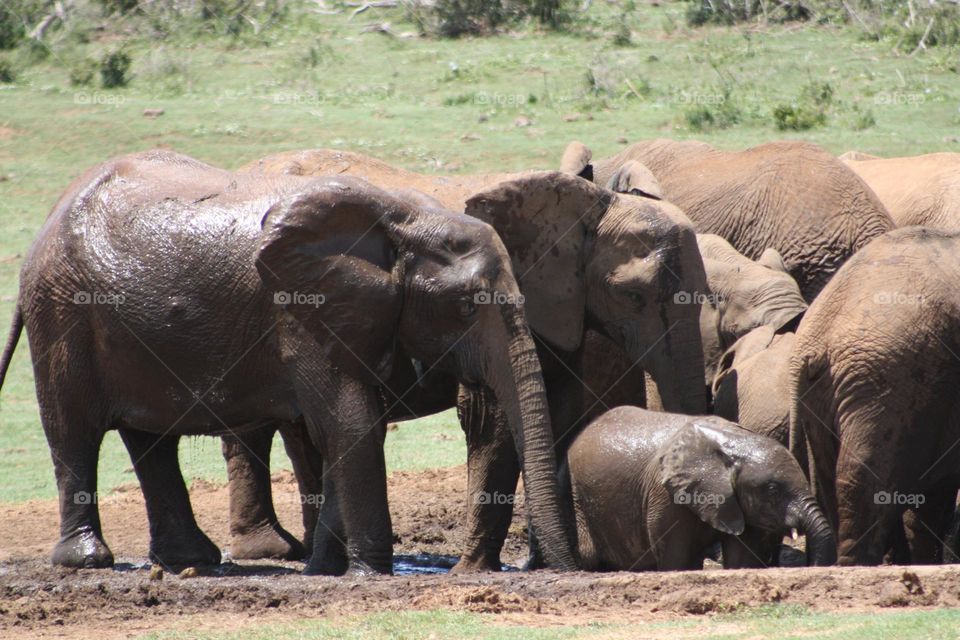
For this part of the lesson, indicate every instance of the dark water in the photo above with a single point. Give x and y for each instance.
(422, 563)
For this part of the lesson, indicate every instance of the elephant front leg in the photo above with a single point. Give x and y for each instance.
(752, 549)
(307, 464)
(175, 538)
(255, 531)
(346, 418)
(492, 474)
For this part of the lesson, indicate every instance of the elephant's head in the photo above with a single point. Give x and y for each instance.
(732, 478)
(744, 295)
(394, 271)
(585, 256)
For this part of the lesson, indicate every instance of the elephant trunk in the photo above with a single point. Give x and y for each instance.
(517, 382)
(676, 364)
(807, 517)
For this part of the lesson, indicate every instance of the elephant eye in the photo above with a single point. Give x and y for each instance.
(466, 308)
(773, 488)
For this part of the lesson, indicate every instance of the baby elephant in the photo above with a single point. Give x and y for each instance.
(654, 490)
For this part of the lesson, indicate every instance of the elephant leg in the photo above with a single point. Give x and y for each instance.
(74, 432)
(492, 474)
(175, 538)
(255, 531)
(329, 551)
(927, 526)
(75, 465)
(308, 468)
(345, 418)
(865, 517)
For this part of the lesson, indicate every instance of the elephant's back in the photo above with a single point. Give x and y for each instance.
(917, 190)
(452, 191)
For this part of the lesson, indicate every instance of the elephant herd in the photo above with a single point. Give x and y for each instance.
(584, 322)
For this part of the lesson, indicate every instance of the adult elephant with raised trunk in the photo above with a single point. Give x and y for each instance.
(165, 297)
(586, 259)
(790, 196)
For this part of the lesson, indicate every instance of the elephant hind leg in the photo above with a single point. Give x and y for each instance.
(81, 541)
(175, 538)
(255, 530)
(927, 527)
(74, 430)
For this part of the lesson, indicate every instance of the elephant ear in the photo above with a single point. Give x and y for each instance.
(328, 255)
(544, 220)
(700, 473)
(635, 179)
(576, 161)
(771, 259)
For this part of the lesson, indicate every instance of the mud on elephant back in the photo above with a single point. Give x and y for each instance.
(165, 297)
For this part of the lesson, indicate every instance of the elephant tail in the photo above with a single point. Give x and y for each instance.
(16, 327)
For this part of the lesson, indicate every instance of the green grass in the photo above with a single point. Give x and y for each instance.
(428, 105)
(776, 621)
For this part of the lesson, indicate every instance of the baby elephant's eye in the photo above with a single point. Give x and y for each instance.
(466, 308)
(773, 488)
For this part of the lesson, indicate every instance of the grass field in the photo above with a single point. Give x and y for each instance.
(507, 102)
(775, 621)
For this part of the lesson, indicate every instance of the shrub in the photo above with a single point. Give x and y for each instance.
(454, 18)
(721, 114)
(8, 74)
(113, 69)
(82, 72)
(796, 117)
(11, 27)
(111, 7)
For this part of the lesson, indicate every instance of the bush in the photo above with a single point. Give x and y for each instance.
(113, 69)
(721, 114)
(111, 7)
(8, 74)
(455, 18)
(11, 27)
(82, 72)
(798, 117)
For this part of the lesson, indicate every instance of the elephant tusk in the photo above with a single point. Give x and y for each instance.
(419, 370)
(794, 535)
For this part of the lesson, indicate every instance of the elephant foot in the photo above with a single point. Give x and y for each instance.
(82, 549)
(477, 563)
(269, 541)
(326, 564)
(180, 551)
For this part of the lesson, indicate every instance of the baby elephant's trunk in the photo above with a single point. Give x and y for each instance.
(821, 544)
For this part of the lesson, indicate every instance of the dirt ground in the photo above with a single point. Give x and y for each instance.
(38, 600)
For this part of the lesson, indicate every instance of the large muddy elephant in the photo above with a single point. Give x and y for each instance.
(165, 297)
(874, 377)
(790, 196)
(586, 259)
(654, 490)
(918, 190)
